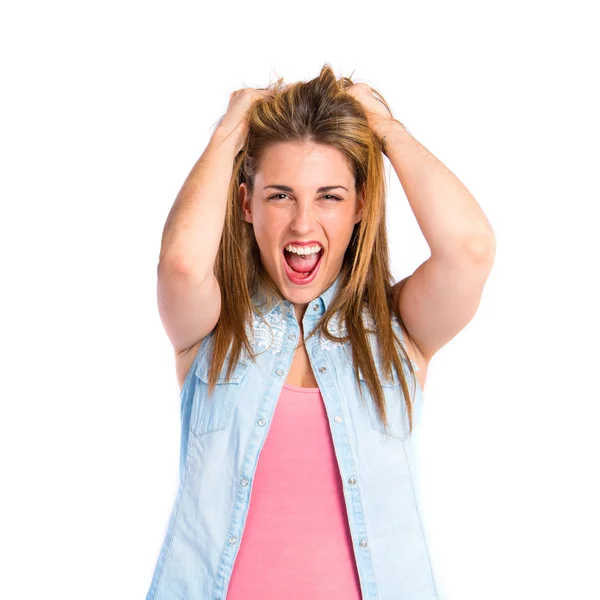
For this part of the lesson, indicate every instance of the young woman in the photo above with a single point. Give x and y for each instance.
(294, 345)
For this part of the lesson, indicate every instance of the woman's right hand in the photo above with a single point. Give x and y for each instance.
(234, 122)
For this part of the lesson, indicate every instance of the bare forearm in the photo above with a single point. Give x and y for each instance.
(193, 229)
(452, 222)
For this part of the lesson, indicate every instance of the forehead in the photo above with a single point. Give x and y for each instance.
(307, 162)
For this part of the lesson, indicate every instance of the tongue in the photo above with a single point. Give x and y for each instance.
(302, 264)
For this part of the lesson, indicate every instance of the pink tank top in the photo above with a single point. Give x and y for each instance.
(296, 542)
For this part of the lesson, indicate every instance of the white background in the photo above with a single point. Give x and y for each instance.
(105, 107)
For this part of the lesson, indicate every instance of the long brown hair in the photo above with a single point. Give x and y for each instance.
(319, 111)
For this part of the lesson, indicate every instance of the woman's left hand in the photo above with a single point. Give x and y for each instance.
(379, 115)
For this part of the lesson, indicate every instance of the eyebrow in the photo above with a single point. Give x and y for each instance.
(287, 188)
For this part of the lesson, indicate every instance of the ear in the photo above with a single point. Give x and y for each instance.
(245, 203)
(360, 204)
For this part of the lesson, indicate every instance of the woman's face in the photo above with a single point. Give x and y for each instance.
(287, 206)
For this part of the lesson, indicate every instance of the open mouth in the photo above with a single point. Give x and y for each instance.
(300, 273)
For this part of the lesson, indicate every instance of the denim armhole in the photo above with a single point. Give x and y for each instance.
(192, 370)
(185, 407)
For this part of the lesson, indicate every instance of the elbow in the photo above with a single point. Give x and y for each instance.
(481, 249)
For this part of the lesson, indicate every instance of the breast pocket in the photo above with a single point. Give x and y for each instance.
(396, 410)
(212, 414)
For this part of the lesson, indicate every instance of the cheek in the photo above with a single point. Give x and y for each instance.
(340, 228)
(341, 236)
(270, 221)
(267, 236)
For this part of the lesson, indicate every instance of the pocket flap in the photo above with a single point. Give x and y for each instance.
(395, 381)
(237, 374)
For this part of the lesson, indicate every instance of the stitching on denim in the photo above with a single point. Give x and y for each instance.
(192, 369)
(236, 551)
(412, 487)
(368, 538)
(168, 551)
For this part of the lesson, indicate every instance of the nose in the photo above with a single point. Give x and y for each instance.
(304, 219)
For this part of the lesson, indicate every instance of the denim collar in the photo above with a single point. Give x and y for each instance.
(326, 298)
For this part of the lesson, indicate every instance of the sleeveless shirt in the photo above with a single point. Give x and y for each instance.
(224, 508)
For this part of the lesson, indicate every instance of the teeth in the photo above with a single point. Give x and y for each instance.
(304, 250)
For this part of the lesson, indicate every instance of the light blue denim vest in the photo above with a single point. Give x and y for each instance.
(221, 439)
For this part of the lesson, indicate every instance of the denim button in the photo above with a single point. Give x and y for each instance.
(322, 369)
(291, 336)
(363, 543)
(232, 540)
(244, 482)
(261, 422)
(338, 419)
(279, 372)
(351, 481)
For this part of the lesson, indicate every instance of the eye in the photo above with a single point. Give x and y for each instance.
(335, 198)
